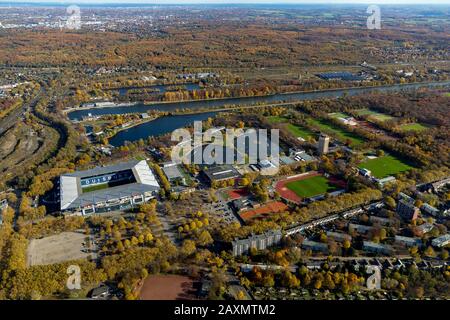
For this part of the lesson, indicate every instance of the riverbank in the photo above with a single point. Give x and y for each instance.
(274, 98)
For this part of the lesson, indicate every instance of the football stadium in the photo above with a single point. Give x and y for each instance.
(105, 189)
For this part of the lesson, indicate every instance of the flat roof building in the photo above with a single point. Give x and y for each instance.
(339, 236)
(377, 248)
(173, 173)
(103, 189)
(407, 210)
(409, 241)
(259, 242)
(323, 144)
(221, 173)
(315, 246)
(441, 241)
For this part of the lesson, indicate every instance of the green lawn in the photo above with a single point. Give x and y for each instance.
(413, 127)
(311, 187)
(373, 115)
(277, 119)
(341, 134)
(297, 131)
(447, 94)
(95, 188)
(338, 115)
(382, 167)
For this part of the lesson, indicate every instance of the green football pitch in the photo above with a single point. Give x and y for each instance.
(311, 187)
(382, 167)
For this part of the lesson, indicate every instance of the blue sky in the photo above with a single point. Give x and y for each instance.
(242, 1)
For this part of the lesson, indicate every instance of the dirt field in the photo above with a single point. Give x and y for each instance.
(272, 207)
(168, 287)
(237, 193)
(58, 248)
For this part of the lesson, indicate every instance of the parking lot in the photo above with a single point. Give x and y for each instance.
(58, 248)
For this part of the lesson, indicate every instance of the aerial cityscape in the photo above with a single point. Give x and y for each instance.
(227, 151)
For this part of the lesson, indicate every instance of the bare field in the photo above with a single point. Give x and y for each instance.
(168, 287)
(58, 248)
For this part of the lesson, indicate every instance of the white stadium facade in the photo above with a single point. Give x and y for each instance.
(105, 189)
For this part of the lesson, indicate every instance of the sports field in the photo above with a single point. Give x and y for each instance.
(413, 127)
(341, 134)
(311, 187)
(297, 131)
(382, 167)
(338, 115)
(373, 115)
(167, 287)
(307, 185)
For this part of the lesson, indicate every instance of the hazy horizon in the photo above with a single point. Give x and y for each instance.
(376, 2)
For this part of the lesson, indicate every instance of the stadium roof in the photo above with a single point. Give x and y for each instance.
(71, 195)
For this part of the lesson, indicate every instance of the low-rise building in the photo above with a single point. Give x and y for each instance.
(380, 220)
(428, 209)
(441, 241)
(373, 247)
(361, 229)
(424, 228)
(173, 173)
(220, 173)
(339, 236)
(408, 241)
(315, 246)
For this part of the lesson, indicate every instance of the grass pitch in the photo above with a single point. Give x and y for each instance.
(382, 167)
(413, 127)
(311, 187)
(373, 115)
(297, 131)
(341, 134)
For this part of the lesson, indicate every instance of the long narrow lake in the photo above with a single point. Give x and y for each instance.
(158, 127)
(286, 97)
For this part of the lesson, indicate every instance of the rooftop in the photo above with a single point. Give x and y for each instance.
(71, 192)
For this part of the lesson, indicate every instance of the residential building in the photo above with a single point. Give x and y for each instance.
(339, 236)
(424, 228)
(373, 247)
(323, 145)
(258, 242)
(408, 241)
(441, 241)
(315, 246)
(359, 228)
(426, 208)
(407, 210)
